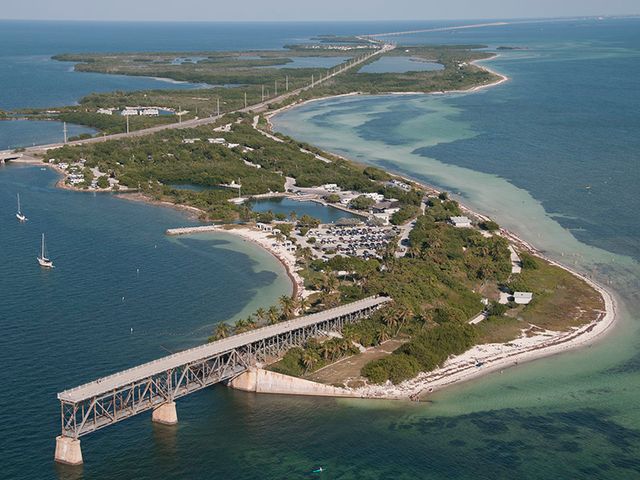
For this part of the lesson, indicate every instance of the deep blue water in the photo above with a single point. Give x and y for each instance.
(115, 270)
(573, 416)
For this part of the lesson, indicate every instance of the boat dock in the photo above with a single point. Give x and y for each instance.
(190, 230)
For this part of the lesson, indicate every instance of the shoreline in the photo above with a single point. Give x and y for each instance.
(259, 238)
(297, 283)
(502, 79)
(457, 369)
(253, 235)
(460, 368)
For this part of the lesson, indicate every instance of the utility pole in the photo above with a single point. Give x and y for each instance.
(286, 80)
(263, 93)
(64, 131)
(312, 82)
(276, 89)
(218, 106)
(127, 123)
(245, 99)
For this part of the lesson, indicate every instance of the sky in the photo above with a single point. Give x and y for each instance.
(313, 10)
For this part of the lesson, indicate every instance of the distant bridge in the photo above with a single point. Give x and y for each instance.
(157, 384)
(6, 156)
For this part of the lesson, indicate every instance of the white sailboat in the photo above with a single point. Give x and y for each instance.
(42, 258)
(19, 215)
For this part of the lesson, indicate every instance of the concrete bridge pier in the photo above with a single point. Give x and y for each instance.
(165, 414)
(68, 451)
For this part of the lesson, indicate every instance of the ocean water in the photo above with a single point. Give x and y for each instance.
(25, 133)
(572, 416)
(552, 155)
(30, 78)
(115, 270)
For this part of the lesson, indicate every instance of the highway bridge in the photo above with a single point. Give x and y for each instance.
(197, 122)
(156, 385)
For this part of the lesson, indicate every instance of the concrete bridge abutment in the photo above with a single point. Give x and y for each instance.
(68, 451)
(165, 414)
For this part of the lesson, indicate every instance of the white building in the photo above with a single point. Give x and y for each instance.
(129, 112)
(460, 222)
(331, 187)
(217, 141)
(522, 298)
(398, 184)
(105, 111)
(190, 140)
(151, 112)
(377, 197)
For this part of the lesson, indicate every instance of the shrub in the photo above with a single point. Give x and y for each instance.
(489, 225)
(528, 261)
(396, 368)
(103, 182)
(496, 309)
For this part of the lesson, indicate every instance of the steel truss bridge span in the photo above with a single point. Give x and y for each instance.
(114, 398)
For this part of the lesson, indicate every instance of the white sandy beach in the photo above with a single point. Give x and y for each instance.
(493, 357)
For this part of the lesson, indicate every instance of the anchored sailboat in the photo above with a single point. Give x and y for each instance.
(43, 260)
(19, 215)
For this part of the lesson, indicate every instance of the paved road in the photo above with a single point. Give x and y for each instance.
(256, 108)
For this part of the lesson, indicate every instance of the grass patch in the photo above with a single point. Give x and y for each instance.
(499, 329)
(561, 300)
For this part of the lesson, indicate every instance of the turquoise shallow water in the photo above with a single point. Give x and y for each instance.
(574, 416)
(552, 155)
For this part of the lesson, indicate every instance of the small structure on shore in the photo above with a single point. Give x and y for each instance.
(522, 298)
(460, 222)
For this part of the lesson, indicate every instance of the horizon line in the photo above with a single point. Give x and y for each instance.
(565, 17)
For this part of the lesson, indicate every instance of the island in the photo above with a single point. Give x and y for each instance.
(467, 297)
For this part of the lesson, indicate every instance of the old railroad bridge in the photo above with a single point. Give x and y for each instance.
(156, 385)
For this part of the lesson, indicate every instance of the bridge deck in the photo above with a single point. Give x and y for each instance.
(126, 377)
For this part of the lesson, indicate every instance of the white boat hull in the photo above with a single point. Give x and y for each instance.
(45, 262)
(21, 217)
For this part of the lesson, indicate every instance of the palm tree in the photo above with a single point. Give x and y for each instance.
(222, 331)
(261, 314)
(244, 325)
(330, 300)
(309, 360)
(303, 304)
(293, 216)
(240, 326)
(326, 349)
(402, 314)
(389, 318)
(287, 305)
(383, 335)
(273, 315)
(330, 283)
